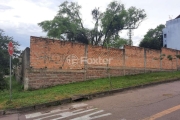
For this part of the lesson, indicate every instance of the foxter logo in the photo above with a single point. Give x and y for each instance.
(74, 60)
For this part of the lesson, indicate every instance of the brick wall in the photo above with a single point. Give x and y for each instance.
(153, 59)
(178, 60)
(134, 57)
(52, 54)
(166, 63)
(54, 62)
(42, 78)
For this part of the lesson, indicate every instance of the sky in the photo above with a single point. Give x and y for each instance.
(19, 18)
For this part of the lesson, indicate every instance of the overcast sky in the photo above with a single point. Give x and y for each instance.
(19, 18)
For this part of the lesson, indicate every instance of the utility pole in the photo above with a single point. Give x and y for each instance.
(130, 34)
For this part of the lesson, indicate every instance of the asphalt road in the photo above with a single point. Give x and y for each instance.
(160, 102)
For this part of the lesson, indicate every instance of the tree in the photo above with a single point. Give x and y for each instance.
(68, 24)
(117, 18)
(4, 56)
(153, 38)
(118, 42)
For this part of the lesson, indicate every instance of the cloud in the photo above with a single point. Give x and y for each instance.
(19, 18)
(28, 11)
(21, 32)
(16, 16)
(51, 4)
(5, 8)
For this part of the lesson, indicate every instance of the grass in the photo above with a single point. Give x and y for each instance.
(22, 98)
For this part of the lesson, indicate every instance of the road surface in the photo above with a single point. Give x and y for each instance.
(160, 102)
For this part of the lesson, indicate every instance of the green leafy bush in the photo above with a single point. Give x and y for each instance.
(3, 84)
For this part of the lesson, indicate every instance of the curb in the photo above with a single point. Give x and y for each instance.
(81, 97)
(35, 107)
(2, 112)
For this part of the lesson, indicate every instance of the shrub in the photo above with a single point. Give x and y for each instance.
(3, 84)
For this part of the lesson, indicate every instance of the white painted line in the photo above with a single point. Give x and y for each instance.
(33, 115)
(79, 105)
(38, 114)
(53, 111)
(87, 117)
(103, 115)
(58, 114)
(68, 114)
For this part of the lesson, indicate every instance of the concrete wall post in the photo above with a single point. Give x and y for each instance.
(145, 60)
(176, 60)
(26, 65)
(160, 60)
(124, 60)
(85, 61)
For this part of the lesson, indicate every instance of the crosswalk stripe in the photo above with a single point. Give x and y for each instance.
(74, 110)
(33, 115)
(79, 105)
(68, 114)
(38, 114)
(87, 117)
(55, 115)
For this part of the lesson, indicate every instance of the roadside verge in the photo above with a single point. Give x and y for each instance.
(82, 97)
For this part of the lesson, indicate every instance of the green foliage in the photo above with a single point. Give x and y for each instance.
(178, 56)
(155, 58)
(68, 25)
(3, 84)
(170, 57)
(162, 56)
(4, 55)
(118, 42)
(117, 18)
(153, 38)
(15, 61)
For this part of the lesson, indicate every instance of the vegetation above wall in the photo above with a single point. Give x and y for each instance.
(153, 38)
(68, 23)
